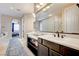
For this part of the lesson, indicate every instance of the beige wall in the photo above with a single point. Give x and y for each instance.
(27, 26)
(28, 23)
(20, 24)
(0, 23)
(6, 25)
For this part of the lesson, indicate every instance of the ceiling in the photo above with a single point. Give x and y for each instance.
(16, 9)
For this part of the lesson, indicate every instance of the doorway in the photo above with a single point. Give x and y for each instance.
(15, 28)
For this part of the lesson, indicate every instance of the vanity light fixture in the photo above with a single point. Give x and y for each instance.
(46, 8)
(41, 3)
(50, 15)
(38, 6)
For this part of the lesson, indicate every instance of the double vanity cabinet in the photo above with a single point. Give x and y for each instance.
(43, 47)
(53, 49)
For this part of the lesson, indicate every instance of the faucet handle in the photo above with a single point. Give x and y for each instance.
(62, 36)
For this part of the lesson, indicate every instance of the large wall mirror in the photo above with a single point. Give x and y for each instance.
(66, 22)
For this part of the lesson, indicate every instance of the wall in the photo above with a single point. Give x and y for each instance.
(0, 23)
(27, 25)
(21, 27)
(6, 25)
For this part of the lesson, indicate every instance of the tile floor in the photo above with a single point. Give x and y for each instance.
(15, 48)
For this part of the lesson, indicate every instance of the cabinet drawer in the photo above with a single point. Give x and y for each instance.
(53, 53)
(66, 51)
(51, 45)
(42, 50)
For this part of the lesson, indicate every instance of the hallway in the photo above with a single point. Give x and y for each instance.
(15, 48)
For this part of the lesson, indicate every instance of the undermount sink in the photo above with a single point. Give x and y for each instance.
(38, 34)
(35, 34)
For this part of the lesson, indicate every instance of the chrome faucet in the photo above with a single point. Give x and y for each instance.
(58, 35)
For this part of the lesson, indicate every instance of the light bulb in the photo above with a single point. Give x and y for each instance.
(37, 6)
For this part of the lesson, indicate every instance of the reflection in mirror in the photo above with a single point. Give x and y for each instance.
(58, 23)
(71, 19)
(47, 25)
(52, 24)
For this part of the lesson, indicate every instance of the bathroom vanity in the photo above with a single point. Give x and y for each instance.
(48, 48)
(65, 20)
(48, 45)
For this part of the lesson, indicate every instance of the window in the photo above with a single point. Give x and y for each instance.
(16, 27)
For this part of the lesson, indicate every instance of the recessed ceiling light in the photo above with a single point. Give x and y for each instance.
(11, 8)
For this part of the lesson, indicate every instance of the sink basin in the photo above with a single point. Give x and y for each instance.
(38, 34)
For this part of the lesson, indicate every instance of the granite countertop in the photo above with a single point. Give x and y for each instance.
(35, 35)
(66, 41)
